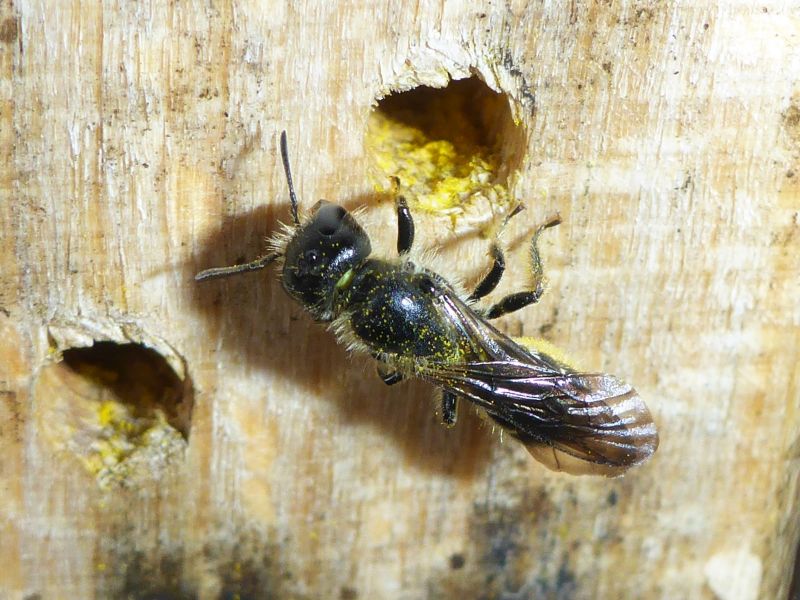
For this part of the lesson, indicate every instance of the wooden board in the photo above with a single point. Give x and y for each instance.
(139, 145)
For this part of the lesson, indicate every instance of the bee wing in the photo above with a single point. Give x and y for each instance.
(485, 343)
(580, 423)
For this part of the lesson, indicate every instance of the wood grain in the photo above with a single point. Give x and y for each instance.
(139, 145)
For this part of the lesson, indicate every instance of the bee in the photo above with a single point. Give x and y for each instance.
(415, 324)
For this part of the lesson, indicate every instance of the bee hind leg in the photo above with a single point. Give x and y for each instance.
(518, 300)
(493, 277)
(449, 408)
(495, 274)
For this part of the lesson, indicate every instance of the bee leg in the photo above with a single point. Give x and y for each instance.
(449, 408)
(514, 302)
(495, 274)
(492, 278)
(389, 376)
(405, 226)
(519, 300)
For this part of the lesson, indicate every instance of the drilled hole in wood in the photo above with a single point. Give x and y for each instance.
(120, 408)
(446, 148)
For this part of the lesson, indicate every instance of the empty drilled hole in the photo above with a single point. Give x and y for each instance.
(120, 408)
(445, 148)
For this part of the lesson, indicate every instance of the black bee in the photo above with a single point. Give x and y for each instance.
(413, 322)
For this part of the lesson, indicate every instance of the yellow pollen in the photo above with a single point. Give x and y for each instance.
(345, 280)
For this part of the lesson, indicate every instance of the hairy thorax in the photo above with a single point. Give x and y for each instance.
(389, 309)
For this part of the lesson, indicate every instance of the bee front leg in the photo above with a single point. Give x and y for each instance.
(449, 408)
(514, 302)
(405, 226)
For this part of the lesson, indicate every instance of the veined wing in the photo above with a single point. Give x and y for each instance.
(481, 342)
(580, 423)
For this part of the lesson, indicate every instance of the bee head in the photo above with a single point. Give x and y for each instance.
(317, 252)
(323, 248)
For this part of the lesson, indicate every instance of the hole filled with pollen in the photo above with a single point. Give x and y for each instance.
(120, 408)
(446, 149)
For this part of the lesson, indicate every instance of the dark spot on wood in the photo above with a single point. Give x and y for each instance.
(9, 29)
(566, 584)
(248, 566)
(147, 578)
(457, 561)
(11, 425)
(612, 498)
(348, 593)
(505, 538)
(644, 14)
(789, 174)
(545, 328)
(791, 117)
(687, 183)
(528, 97)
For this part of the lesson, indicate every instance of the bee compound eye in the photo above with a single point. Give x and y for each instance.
(311, 257)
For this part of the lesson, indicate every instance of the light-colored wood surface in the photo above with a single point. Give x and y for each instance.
(139, 145)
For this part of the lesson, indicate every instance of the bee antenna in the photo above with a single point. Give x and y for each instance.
(288, 171)
(218, 272)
